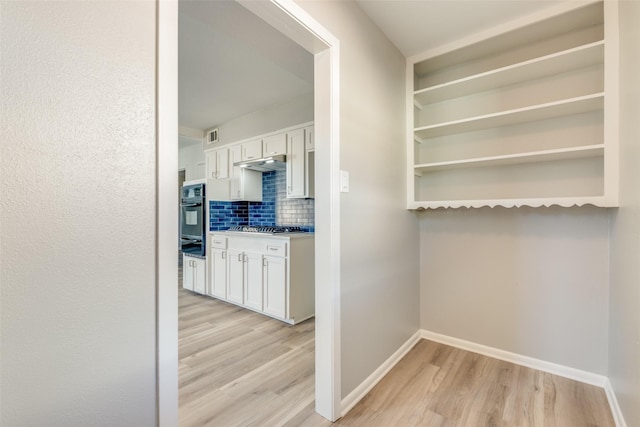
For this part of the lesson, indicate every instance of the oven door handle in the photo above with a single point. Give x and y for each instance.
(190, 205)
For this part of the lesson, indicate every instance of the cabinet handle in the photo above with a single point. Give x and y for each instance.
(240, 258)
(272, 152)
(223, 255)
(271, 248)
(265, 263)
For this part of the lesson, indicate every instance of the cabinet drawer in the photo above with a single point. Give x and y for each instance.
(218, 242)
(276, 249)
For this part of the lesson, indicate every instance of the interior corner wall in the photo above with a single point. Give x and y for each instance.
(78, 188)
(379, 239)
(624, 327)
(532, 281)
(189, 157)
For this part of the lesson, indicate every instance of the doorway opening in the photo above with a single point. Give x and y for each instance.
(296, 24)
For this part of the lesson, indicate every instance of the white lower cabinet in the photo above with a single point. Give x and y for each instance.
(194, 274)
(245, 279)
(218, 271)
(235, 280)
(275, 286)
(272, 275)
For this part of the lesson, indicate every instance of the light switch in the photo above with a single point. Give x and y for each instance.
(344, 181)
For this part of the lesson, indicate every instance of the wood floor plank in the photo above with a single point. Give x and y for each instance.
(240, 368)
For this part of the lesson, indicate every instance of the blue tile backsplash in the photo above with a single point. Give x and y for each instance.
(275, 208)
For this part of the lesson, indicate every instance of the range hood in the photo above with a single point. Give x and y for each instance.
(264, 164)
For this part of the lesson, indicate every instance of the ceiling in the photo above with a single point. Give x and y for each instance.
(416, 26)
(232, 63)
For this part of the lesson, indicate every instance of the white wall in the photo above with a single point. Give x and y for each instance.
(529, 281)
(78, 206)
(379, 239)
(624, 329)
(190, 156)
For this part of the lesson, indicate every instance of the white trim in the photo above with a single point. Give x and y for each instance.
(365, 387)
(518, 359)
(618, 417)
(166, 213)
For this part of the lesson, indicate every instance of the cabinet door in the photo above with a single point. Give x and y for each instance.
(212, 164)
(218, 264)
(199, 275)
(309, 139)
(218, 164)
(274, 145)
(252, 150)
(253, 280)
(187, 273)
(235, 263)
(275, 286)
(235, 155)
(223, 163)
(295, 164)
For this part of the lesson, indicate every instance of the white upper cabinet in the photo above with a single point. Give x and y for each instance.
(309, 139)
(296, 164)
(251, 150)
(522, 118)
(218, 163)
(274, 145)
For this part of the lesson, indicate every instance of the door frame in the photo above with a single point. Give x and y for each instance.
(299, 26)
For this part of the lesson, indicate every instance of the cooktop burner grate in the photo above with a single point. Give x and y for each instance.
(266, 229)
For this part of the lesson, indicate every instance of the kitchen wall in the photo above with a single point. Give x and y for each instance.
(379, 240)
(191, 158)
(624, 308)
(290, 113)
(78, 301)
(275, 208)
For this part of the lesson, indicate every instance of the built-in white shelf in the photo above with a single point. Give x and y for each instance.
(524, 117)
(533, 113)
(514, 159)
(556, 63)
(535, 202)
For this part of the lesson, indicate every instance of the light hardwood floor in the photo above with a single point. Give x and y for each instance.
(239, 368)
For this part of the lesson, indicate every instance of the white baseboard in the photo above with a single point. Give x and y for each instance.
(541, 365)
(518, 359)
(613, 404)
(564, 371)
(361, 391)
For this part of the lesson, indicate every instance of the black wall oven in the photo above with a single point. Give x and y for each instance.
(192, 219)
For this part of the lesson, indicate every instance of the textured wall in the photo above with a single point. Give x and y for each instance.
(78, 208)
(624, 330)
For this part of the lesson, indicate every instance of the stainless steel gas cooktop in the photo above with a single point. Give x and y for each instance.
(266, 229)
